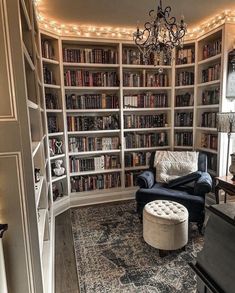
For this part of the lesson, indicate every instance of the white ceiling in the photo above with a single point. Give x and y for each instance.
(126, 13)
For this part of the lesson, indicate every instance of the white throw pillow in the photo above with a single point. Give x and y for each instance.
(171, 165)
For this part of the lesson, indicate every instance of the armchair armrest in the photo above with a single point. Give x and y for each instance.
(145, 179)
(184, 179)
(203, 184)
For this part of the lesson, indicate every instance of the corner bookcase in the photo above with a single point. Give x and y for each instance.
(110, 110)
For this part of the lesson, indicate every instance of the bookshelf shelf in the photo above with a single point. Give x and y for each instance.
(57, 157)
(56, 179)
(95, 192)
(146, 109)
(32, 105)
(27, 57)
(51, 86)
(207, 129)
(185, 65)
(92, 110)
(208, 60)
(146, 88)
(50, 61)
(183, 147)
(184, 87)
(92, 65)
(136, 168)
(184, 108)
(35, 147)
(151, 67)
(147, 129)
(90, 88)
(55, 134)
(94, 152)
(207, 150)
(95, 172)
(208, 106)
(54, 110)
(26, 15)
(147, 149)
(183, 127)
(94, 132)
(209, 83)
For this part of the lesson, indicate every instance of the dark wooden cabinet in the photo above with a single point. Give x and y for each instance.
(215, 264)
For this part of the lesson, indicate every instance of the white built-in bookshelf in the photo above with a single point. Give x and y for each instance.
(110, 110)
(34, 93)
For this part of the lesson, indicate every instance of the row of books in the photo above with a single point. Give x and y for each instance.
(132, 79)
(212, 49)
(210, 97)
(52, 124)
(48, 75)
(90, 144)
(135, 57)
(184, 119)
(136, 79)
(147, 100)
(157, 79)
(211, 73)
(81, 123)
(99, 163)
(209, 119)
(136, 159)
(52, 101)
(47, 49)
(95, 182)
(185, 56)
(90, 78)
(145, 121)
(209, 141)
(184, 100)
(183, 138)
(90, 55)
(92, 101)
(184, 78)
(135, 140)
(130, 178)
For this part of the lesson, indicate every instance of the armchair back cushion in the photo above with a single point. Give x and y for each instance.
(171, 165)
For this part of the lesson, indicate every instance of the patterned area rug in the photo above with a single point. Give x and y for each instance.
(112, 256)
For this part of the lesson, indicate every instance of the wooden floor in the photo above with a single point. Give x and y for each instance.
(66, 280)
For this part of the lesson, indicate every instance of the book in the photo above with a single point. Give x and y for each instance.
(95, 182)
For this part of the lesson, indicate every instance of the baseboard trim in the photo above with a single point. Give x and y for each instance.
(75, 200)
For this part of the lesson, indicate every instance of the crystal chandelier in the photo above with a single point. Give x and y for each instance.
(160, 35)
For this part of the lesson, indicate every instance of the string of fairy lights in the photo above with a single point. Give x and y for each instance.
(123, 33)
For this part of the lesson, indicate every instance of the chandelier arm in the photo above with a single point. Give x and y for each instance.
(161, 34)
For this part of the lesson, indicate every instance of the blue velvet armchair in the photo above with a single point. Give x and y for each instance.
(188, 190)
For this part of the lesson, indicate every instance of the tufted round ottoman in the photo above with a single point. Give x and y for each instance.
(165, 224)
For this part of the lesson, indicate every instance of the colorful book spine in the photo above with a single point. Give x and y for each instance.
(135, 140)
(90, 55)
(95, 182)
(147, 100)
(92, 101)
